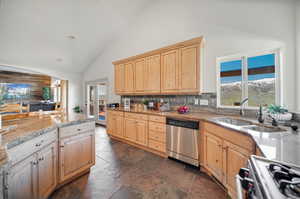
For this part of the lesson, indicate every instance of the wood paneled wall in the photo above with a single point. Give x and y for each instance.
(36, 81)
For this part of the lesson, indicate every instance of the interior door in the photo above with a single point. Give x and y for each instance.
(91, 100)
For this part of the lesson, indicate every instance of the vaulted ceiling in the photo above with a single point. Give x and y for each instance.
(63, 35)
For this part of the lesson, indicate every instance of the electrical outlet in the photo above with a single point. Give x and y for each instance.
(196, 101)
(204, 102)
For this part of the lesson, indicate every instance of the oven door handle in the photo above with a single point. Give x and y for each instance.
(239, 189)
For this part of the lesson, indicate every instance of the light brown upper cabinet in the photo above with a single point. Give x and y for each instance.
(140, 75)
(153, 74)
(119, 78)
(174, 69)
(129, 78)
(189, 69)
(169, 71)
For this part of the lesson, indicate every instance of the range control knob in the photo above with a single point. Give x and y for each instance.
(247, 184)
(244, 173)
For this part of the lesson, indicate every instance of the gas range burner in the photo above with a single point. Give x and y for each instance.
(287, 179)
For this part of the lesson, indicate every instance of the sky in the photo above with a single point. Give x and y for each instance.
(253, 62)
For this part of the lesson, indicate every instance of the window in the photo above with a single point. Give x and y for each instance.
(255, 77)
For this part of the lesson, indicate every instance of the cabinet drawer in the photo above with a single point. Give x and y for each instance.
(231, 136)
(157, 127)
(24, 150)
(157, 136)
(136, 116)
(76, 129)
(154, 118)
(157, 145)
(116, 113)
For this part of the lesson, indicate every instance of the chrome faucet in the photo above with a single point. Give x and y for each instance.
(242, 106)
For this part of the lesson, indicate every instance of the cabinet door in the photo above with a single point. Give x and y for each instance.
(153, 74)
(129, 78)
(189, 69)
(76, 154)
(47, 170)
(110, 123)
(234, 158)
(169, 70)
(140, 75)
(22, 179)
(213, 155)
(130, 129)
(119, 78)
(119, 126)
(142, 132)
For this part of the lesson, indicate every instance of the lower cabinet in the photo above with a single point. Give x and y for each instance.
(234, 158)
(224, 155)
(33, 177)
(213, 155)
(136, 131)
(76, 154)
(115, 124)
(47, 170)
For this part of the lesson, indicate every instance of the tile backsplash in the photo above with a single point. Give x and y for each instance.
(178, 100)
(189, 100)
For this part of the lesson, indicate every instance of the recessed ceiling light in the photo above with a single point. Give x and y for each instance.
(59, 59)
(71, 37)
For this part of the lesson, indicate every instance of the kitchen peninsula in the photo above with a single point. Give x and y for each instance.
(44, 152)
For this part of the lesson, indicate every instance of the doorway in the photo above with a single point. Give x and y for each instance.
(96, 100)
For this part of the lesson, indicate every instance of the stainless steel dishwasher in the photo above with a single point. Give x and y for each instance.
(182, 140)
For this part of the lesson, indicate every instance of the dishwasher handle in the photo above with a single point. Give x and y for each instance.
(183, 123)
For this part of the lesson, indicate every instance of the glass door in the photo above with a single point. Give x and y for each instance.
(96, 101)
(91, 95)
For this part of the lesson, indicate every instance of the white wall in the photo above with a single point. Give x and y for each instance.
(298, 53)
(229, 27)
(75, 83)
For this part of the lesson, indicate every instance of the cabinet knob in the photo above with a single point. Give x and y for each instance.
(62, 146)
(38, 144)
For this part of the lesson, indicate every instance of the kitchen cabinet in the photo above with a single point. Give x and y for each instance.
(234, 158)
(22, 179)
(130, 129)
(119, 78)
(174, 69)
(115, 124)
(47, 170)
(142, 132)
(35, 176)
(189, 69)
(129, 78)
(153, 79)
(76, 154)
(225, 152)
(140, 75)
(213, 155)
(169, 71)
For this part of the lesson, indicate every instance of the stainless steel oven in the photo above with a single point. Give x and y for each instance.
(182, 140)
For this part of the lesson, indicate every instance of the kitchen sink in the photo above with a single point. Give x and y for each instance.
(267, 129)
(232, 121)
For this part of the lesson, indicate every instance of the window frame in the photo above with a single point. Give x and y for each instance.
(244, 57)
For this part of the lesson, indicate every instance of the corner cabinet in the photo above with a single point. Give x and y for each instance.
(225, 152)
(170, 70)
(76, 154)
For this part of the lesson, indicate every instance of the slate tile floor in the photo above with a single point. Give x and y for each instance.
(126, 172)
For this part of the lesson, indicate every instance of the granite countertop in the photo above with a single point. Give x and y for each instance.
(28, 128)
(282, 146)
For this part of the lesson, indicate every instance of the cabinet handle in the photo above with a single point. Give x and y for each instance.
(78, 129)
(62, 146)
(34, 162)
(38, 144)
(41, 159)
